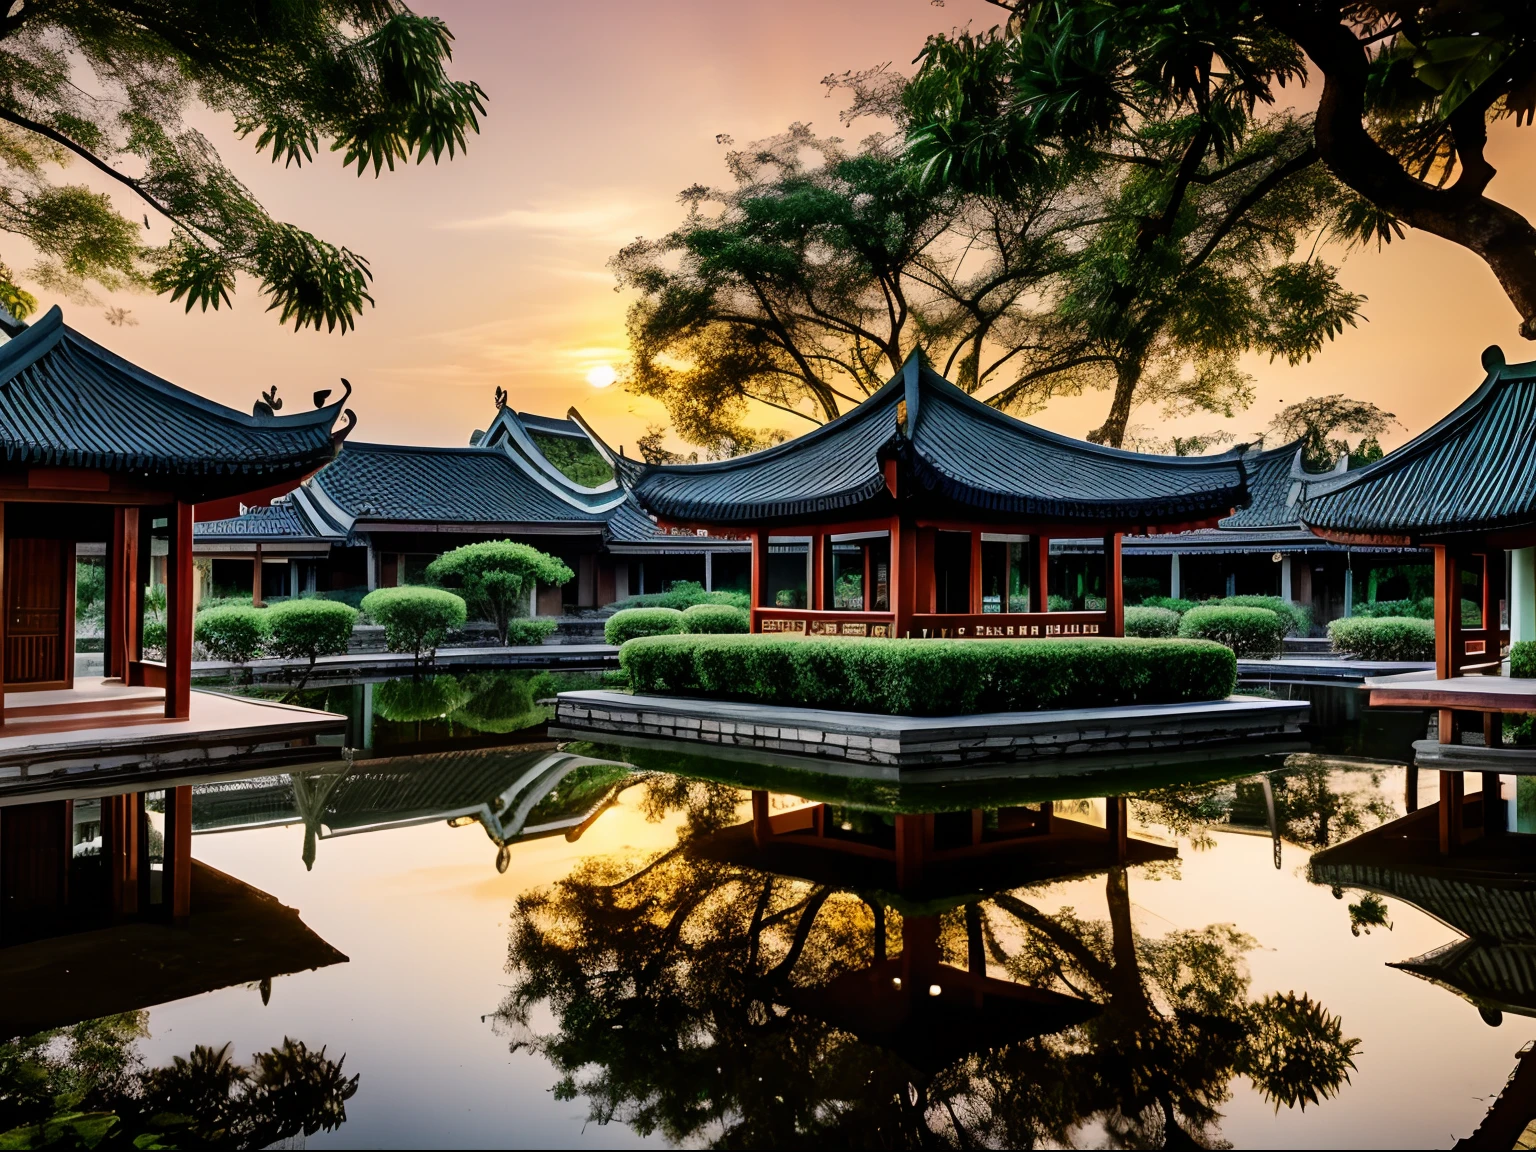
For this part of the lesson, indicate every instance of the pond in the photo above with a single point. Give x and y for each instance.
(509, 942)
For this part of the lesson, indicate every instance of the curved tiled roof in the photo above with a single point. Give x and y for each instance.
(393, 482)
(1474, 471)
(1271, 483)
(66, 401)
(280, 521)
(953, 446)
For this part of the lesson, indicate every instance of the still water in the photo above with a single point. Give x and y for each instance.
(520, 943)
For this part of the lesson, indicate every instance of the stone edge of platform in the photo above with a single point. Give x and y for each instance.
(864, 738)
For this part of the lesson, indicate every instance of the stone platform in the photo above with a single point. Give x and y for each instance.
(925, 742)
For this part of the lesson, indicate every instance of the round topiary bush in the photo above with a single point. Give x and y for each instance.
(308, 629)
(1384, 637)
(1298, 617)
(716, 619)
(415, 619)
(233, 634)
(1252, 632)
(632, 622)
(1151, 623)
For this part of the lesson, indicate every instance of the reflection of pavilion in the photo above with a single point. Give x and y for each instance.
(240, 935)
(915, 1004)
(516, 793)
(1485, 890)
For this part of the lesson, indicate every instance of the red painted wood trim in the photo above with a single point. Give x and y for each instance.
(178, 613)
(1114, 585)
(178, 842)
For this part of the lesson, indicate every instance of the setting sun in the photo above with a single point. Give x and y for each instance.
(602, 376)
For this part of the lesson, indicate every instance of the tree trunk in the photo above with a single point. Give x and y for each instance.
(1112, 431)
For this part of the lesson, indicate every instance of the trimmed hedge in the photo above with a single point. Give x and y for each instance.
(1522, 659)
(1298, 617)
(633, 622)
(1151, 623)
(681, 594)
(716, 619)
(525, 632)
(1421, 609)
(415, 619)
(309, 629)
(1180, 606)
(233, 633)
(1384, 637)
(930, 677)
(1247, 631)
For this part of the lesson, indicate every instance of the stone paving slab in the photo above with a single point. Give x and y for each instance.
(867, 738)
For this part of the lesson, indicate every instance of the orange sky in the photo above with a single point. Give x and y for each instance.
(491, 269)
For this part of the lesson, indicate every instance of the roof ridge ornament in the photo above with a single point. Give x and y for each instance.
(1493, 359)
(911, 378)
(501, 397)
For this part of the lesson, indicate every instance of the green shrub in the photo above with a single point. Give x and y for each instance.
(210, 603)
(90, 590)
(308, 629)
(526, 633)
(1522, 659)
(415, 619)
(1151, 623)
(496, 578)
(1384, 637)
(233, 634)
(154, 636)
(681, 594)
(633, 622)
(498, 702)
(716, 619)
(1056, 603)
(1421, 609)
(1298, 617)
(1254, 632)
(930, 677)
(1168, 602)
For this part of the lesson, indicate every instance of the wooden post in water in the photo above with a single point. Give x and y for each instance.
(1452, 801)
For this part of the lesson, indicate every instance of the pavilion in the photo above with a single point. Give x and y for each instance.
(925, 513)
(98, 451)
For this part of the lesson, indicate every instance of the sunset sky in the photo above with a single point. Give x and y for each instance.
(491, 270)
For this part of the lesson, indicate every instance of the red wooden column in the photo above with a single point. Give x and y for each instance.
(112, 661)
(762, 822)
(1114, 585)
(925, 592)
(1117, 824)
(1040, 577)
(759, 574)
(120, 845)
(977, 590)
(1447, 613)
(178, 851)
(816, 594)
(904, 576)
(256, 579)
(4, 615)
(1452, 803)
(178, 614)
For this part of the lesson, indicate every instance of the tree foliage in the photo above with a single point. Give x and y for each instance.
(1409, 92)
(109, 83)
(1324, 423)
(87, 1086)
(415, 620)
(495, 577)
(1201, 203)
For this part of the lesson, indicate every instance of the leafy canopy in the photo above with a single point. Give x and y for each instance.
(110, 82)
(496, 577)
(1319, 421)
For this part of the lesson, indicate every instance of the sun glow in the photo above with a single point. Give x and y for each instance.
(602, 376)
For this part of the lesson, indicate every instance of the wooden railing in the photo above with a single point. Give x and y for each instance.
(931, 625)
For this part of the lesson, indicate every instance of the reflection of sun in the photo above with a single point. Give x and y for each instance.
(602, 376)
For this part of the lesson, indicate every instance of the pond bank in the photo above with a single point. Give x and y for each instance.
(902, 743)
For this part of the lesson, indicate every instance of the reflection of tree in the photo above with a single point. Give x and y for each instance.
(684, 998)
(1309, 802)
(497, 702)
(87, 1086)
(412, 701)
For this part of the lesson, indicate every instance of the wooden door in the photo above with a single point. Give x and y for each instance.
(38, 649)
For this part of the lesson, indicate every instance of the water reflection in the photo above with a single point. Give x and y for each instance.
(515, 793)
(88, 1086)
(830, 974)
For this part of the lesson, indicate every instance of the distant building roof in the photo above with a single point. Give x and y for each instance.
(953, 449)
(284, 519)
(1474, 471)
(65, 401)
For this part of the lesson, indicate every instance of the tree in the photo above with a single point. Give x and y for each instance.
(108, 82)
(496, 577)
(1409, 92)
(1200, 204)
(307, 630)
(415, 620)
(1318, 421)
(87, 1086)
(820, 270)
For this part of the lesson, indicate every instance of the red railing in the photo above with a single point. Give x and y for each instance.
(931, 625)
